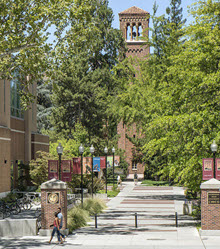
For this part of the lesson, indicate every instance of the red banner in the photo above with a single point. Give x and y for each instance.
(102, 162)
(53, 169)
(207, 169)
(76, 165)
(66, 171)
(217, 168)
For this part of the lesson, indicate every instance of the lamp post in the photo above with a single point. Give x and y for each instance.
(214, 148)
(106, 176)
(92, 150)
(113, 152)
(59, 152)
(81, 150)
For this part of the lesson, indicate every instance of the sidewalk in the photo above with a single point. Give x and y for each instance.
(156, 228)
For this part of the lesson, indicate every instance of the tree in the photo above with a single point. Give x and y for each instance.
(179, 99)
(44, 106)
(25, 27)
(84, 85)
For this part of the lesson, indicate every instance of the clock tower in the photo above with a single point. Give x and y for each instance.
(134, 24)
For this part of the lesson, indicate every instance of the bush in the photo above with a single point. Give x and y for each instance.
(10, 197)
(94, 206)
(76, 218)
(190, 194)
(98, 184)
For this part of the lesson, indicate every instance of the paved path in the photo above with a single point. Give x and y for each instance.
(155, 208)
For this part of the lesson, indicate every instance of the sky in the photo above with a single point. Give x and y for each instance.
(120, 5)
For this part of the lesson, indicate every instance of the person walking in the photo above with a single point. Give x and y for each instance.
(135, 178)
(60, 217)
(56, 229)
(119, 180)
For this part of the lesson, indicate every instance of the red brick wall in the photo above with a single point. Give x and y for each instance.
(48, 209)
(210, 213)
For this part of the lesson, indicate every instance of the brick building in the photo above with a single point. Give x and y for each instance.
(19, 139)
(133, 24)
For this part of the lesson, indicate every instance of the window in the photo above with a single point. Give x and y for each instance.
(15, 85)
(134, 165)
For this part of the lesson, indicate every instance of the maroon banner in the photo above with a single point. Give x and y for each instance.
(102, 162)
(217, 168)
(207, 164)
(66, 171)
(52, 169)
(76, 165)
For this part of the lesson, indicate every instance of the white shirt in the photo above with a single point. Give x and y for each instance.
(60, 217)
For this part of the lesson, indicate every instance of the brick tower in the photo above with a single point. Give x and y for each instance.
(133, 24)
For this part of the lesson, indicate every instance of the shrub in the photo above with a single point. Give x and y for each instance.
(76, 218)
(94, 205)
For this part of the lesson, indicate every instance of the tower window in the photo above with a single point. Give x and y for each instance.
(139, 31)
(128, 36)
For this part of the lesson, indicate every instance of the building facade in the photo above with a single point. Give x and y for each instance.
(133, 24)
(19, 140)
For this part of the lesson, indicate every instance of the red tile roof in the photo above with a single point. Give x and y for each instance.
(134, 10)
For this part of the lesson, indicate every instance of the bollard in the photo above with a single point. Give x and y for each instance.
(96, 225)
(135, 215)
(176, 218)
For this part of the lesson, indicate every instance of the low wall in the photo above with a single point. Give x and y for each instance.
(18, 227)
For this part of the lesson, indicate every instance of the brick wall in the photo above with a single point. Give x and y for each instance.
(48, 209)
(210, 213)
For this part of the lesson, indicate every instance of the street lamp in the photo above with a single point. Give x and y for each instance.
(106, 153)
(113, 152)
(92, 150)
(214, 148)
(81, 150)
(60, 152)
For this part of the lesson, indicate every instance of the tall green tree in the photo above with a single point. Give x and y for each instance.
(25, 27)
(84, 85)
(44, 105)
(179, 99)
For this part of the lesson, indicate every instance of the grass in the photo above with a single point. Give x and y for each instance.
(155, 183)
(198, 226)
(110, 193)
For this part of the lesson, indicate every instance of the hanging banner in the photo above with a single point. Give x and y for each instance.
(87, 165)
(207, 165)
(116, 161)
(217, 168)
(109, 161)
(96, 164)
(66, 172)
(102, 162)
(76, 165)
(52, 169)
